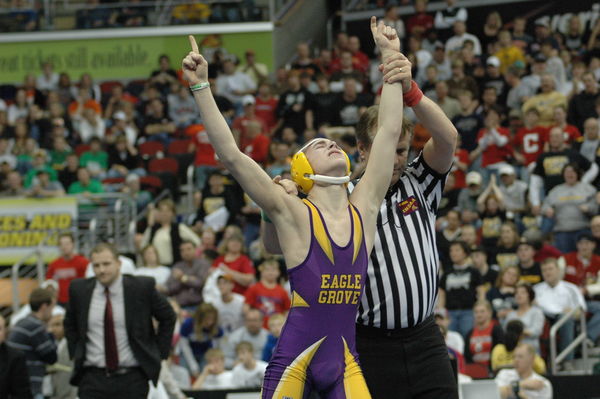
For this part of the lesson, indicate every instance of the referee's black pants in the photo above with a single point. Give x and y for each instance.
(408, 363)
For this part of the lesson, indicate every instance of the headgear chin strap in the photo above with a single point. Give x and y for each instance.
(329, 179)
(303, 173)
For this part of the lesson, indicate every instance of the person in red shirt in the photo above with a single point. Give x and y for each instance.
(583, 270)
(571, 132)
(359, 59)
(257, 144)
(582, 265)
(268, 295)
(240, 124)
(234, 263)
(67, 267)
(492, 141)
(529, 140)
(421, 22)
(266, 106)
(486, 334)
(204, 160)
(460, 165)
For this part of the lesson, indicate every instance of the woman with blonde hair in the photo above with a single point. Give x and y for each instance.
(200, 333)
(502, 295)
(151, 267)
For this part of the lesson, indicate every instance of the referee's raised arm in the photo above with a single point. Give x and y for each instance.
(439, 150)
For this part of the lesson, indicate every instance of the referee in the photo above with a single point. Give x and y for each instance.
(401, 350)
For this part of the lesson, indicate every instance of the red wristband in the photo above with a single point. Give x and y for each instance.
(413, 96)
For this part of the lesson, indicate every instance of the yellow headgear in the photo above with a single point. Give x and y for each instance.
(303, 173)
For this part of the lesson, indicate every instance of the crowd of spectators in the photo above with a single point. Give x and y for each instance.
(33, 15)
(518, 226)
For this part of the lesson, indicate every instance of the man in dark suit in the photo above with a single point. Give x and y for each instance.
(109, 328)
(14, 378)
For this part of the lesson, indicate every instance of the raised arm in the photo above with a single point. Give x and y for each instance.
(439, 150)
(248, 173)
(371, 189)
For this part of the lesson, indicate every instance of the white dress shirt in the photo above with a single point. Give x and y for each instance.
(95, 354)
(554, 300)
(506, 377)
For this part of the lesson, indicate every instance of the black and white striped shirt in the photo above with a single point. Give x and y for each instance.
(402, 277)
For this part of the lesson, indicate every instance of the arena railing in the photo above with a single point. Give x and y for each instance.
(16, 268)
(106, 217)
(556, 359)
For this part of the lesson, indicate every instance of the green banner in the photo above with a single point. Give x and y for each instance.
(120, 58)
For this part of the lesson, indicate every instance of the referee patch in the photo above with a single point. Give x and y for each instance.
(409, 205)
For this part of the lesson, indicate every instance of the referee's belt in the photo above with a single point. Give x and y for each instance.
(376, 332)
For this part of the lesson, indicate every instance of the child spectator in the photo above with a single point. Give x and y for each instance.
(267, 295)
(249, 372)
(229, 304)
(276, 323)
(280, 154)
(214, 375)
(252, 332)
(235, 263)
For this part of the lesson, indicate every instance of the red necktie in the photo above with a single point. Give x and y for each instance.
(110, 339)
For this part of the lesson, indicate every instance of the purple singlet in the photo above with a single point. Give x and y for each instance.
(316, 350)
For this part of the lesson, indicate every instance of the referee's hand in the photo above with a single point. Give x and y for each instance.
(288, 185)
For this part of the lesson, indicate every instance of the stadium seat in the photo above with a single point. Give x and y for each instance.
(7, 92)
(81, 148)
(106, 87)
(136, 87)
(178, 147)
(477, 371)
(152, 183)
(163, 165)
(150, 149)
(113, 180)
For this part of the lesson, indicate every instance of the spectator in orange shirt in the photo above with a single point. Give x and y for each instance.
(67, 267)
(268, 295)
(83, 101)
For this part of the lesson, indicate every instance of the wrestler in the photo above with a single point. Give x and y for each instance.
(325, 239)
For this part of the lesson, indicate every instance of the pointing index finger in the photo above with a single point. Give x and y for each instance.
(194, 44)
(373, 24)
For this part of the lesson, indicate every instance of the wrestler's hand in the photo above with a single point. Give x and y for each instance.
(195, 67)
(288, 185)
(397, 68)
(385, 38)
